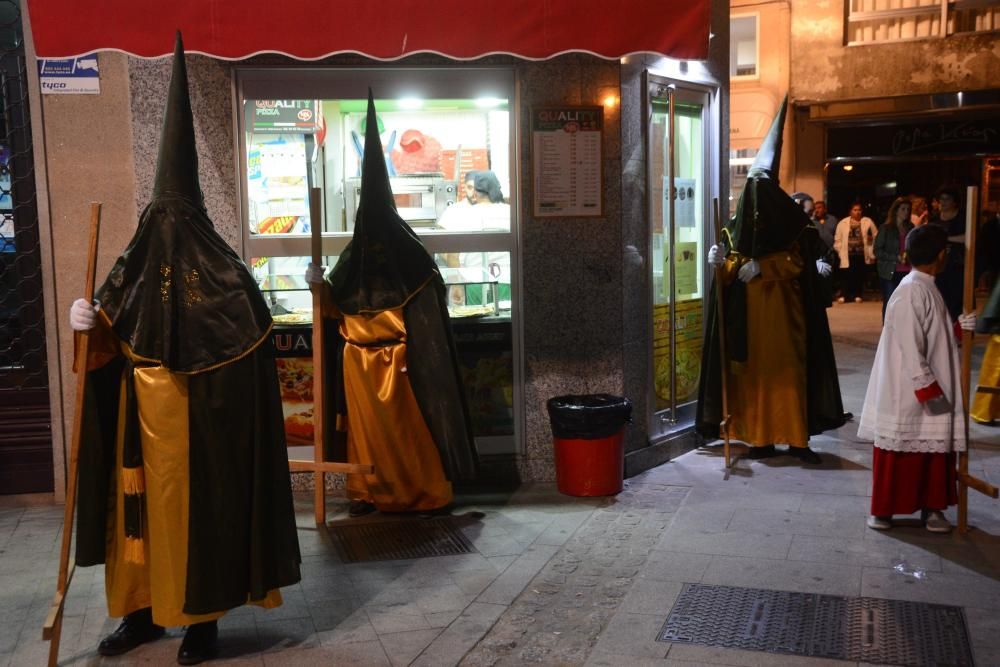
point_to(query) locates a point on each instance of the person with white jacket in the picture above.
(854, 243)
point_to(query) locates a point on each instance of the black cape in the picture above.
(180, 297)
(768, 220)
(989, 321)
(385, 266)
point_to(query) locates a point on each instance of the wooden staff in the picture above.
(52, 629)
(965, 480)
(319, 367)
(318, 466)
(720, 312)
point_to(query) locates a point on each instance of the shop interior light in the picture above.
(611, 101)
(848, 167)
(411, 103)
(488, 102)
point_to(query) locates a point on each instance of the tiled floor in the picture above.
(557, 580)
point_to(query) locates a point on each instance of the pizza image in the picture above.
(297, 316)
(295, 378)
(299, 427)
(470, 311)
(688, 372)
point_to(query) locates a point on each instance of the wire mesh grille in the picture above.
(398, 540)
(869, 630)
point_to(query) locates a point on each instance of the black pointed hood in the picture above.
(385, 263)
(179, 295)
(768, 160)
(767, 219)
(177, 163)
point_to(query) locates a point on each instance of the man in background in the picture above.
(824, 222)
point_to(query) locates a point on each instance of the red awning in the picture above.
(381, 29)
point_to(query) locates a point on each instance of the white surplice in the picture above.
(917, 348)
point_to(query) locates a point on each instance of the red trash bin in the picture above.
(590, 467)
(588, 441)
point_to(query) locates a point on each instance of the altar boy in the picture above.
(913, 408)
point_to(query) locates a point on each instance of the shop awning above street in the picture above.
(380, 29)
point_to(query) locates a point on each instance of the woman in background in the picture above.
(854, 243)
(890, 253)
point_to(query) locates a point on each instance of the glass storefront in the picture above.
(678, 231)
(447, 143)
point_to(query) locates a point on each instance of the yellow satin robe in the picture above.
(986, 407)
(767, 392)
(160, 582)
(384, 424)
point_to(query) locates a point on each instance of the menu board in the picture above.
(566, 160)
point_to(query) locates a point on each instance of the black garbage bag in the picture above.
(588, 417)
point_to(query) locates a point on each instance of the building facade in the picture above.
(587, 311)
(890, 99)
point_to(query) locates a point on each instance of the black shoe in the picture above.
(436, 512)
(199, 643)
(765, 452)
(360, 508)
(136, 628)
(848, 416)
(805, 455)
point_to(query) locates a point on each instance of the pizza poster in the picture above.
(688, 341)
(567, 161)
(293, 360)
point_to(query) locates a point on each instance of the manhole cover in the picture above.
(398, 540)
(873, 630)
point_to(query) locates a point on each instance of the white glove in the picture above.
(715, 256)
(749, 271)
(823, 268)
(82, 315)
(967, 321)
(314, 274)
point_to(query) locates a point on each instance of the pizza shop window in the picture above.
(446, 141)
(305, 128)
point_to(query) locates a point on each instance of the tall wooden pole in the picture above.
(319, 404)
(52, 630)
(971, 199)
(720, 312)
(965, 480)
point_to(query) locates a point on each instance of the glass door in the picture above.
(679, 154)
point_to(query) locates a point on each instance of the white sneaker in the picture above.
(936, 523)
(840, 299)
(879, 522)
(858, 299)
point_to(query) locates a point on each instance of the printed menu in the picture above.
(566, 154)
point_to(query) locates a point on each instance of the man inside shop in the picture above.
(484, 209)
(487, 209)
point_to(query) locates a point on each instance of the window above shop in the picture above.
(744, 53)
(904, 20)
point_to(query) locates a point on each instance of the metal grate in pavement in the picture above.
(895, 632)
(398, 540)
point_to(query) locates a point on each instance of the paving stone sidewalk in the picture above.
(556, 580)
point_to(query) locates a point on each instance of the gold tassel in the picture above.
(135, 551)
(133, 481)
